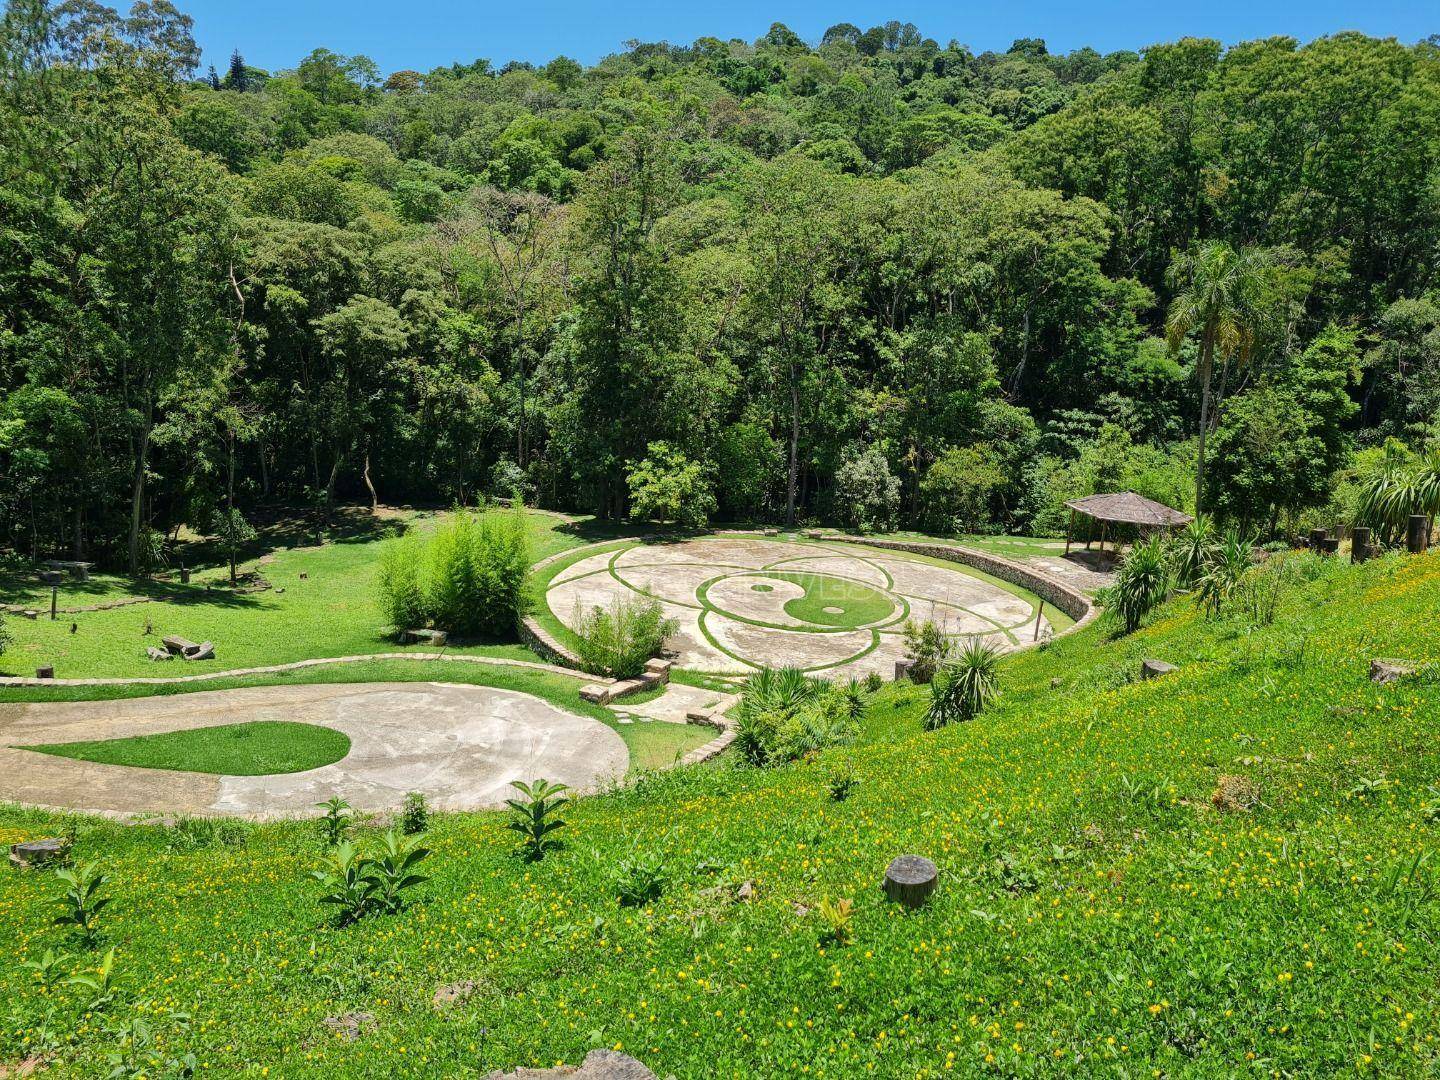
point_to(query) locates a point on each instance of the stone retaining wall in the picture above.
(1053, 591)
(716, 719)
(546, 644)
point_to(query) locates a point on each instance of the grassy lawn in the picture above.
(1098, 914)
(261, 748)
(1011, 547)
(323, 604)
(832, 601)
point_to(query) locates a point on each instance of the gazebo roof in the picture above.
(1128, 508)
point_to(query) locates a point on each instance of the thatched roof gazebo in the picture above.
(1123, 508)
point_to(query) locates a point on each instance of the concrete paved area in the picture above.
(674, 705)
(460, 745)
(733, 619)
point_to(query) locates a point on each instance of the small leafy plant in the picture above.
(839, 920)
(358, 885)
(641, 881)
(843, 783)
(47, 969)
(81, 902)
(926, 647)
(415, 815)
(533, 815)
(392, 871)
(348, 888)
(100, 983)
(337, 820)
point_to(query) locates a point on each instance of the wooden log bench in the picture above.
(188, 650)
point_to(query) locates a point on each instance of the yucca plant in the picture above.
(533, 815)
(1192, 548)
(1142, 582)
(785, 714)
(1232, 561)
(964, 686)
(1397, 491)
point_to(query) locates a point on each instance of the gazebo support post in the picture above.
(1069, 532)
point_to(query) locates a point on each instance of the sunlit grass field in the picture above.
(1097, 914)
(322, 604)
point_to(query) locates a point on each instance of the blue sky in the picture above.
(422, 34)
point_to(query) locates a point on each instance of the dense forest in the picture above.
(874, 280)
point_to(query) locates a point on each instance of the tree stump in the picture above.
(1359, 544)
(1330, 545)
(46, 672)
(910, 879)
(1316, 536)
(1153, 669)
(34, 853)
(1387, 671)
(1417, 534)
(902, 669)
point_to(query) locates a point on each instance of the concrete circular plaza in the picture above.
(744, 603)
(460, 745)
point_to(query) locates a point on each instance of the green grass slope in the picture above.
(1097, 914)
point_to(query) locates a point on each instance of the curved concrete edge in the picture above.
(298, 665)
(1053, 591)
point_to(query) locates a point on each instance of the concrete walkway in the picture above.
(460, 745)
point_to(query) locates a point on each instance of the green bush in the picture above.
(964, 686)
(401, 597)
(866, 495)
(785, 715)
(1142, 583)
(926, 647)
(467, 577)
(617, 641)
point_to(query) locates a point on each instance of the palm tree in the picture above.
(1219, 296)
(1403, 486)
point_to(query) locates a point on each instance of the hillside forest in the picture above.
(874, 280)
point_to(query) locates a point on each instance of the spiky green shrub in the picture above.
(1233, 558)
(1142, 583)
(1192, 548)
(964, 686)
(785, 715)
(617, 640)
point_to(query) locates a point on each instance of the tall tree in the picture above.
(1218, 298)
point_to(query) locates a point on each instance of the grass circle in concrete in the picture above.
(834, 601)
(256, 748)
